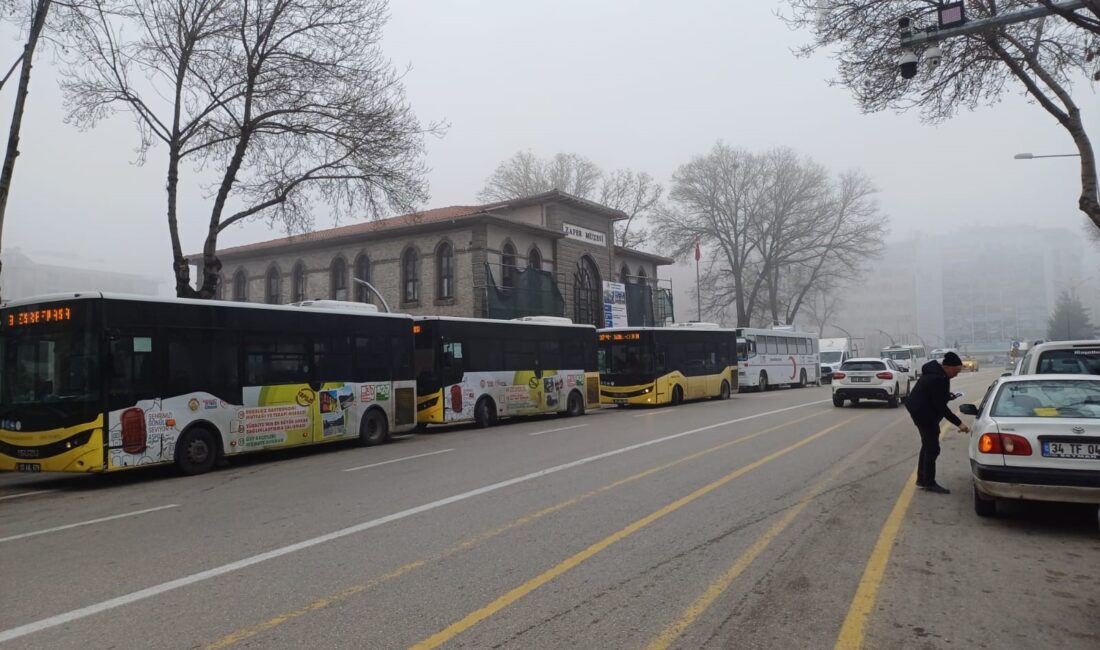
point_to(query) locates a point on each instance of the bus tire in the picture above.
(724, 392)
(574, 405)
(373, 428)
(485, 413)
(677, 395)
(197, 451)
(762, 385)
(801, 379)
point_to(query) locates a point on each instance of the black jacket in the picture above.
(928, 401)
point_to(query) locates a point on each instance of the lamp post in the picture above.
(887, 335)
(1031, 156)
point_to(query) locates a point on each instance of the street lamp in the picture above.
(892, 342)
(1030, 156)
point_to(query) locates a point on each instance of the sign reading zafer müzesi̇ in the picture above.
(594, 237)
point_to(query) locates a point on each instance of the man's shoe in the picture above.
(937, 488)
(919, 484)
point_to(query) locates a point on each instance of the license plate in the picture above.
(1082, 450)
(28, 467)
(620, 401)
(861, 380)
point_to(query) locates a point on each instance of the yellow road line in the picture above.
(719, 586)
(526, 588)
(852, 631)
(327, 601)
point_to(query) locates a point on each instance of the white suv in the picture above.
(868, 378)
(1061, 357)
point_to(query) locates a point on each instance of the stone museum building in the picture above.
(549, 254)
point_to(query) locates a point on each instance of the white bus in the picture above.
(909, 357)
(768, 358)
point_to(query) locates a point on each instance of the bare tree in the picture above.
(36, 19)
(638, 196)
(1041, 58)
(279, 105)
(634, 193)
(777, 228)
(822, 303)
(525, 174)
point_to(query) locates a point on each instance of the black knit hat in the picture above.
(951, 359)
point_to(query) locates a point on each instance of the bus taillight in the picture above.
(133, 431)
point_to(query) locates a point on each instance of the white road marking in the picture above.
(86, 523)
(398, 460)
(654, 412)
(172, 585)
(25, 494)
(575, 426)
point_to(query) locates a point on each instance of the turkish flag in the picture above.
(697, 253)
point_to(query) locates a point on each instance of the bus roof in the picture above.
(94, 295)
(502, 321)
(667, 329)
(758, 331)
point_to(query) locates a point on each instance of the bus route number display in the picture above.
(39, 316)
(621, 336)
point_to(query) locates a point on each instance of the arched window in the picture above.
(362, 272)
(444, 272)
(642, 278)
(240, 286)
(410, 276)
(534, 259)
(508, 265)
(219, 291)
(339, 279)
(587, 293)
(272, 288)
(624, 274)
(298, 283)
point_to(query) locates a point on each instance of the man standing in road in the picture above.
(927, 405)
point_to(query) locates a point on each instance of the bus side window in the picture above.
(132, 375)
(550, 357)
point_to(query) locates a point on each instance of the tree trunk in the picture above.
(37, 24)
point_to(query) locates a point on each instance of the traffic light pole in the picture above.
(936, 34)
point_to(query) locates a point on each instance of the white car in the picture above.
(1036, 437)
(869, 378)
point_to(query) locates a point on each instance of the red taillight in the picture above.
(839, 375)
(133, 431)
(1004, 443)
(885, 375)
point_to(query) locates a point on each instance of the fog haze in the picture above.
(643, 85)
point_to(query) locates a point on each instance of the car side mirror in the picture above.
(968, 409)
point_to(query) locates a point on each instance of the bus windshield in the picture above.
(627, 357)
(831, 357)
(48, 369)
(897, 355)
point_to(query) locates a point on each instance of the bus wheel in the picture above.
(677, 396)
(763, 385)
(575, 405)
(802, 379)
(485, 413)
(196, 451)
(724, 393)
(373, 428)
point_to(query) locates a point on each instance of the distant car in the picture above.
(1063, 357)
(970, 364)
(1036, 437)
(869, 378)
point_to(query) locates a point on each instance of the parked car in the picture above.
(1066, 357)
(869, 378)
(970, 364)
(1036, 437)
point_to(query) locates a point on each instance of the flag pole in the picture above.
(698, 286)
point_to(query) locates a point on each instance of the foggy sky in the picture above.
(645, 85)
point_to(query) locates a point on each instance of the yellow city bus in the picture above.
(479, 370)
(93, 382)
(666, 365)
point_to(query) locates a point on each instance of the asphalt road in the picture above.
(766, 521)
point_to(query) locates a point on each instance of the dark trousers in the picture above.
(929, 451)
